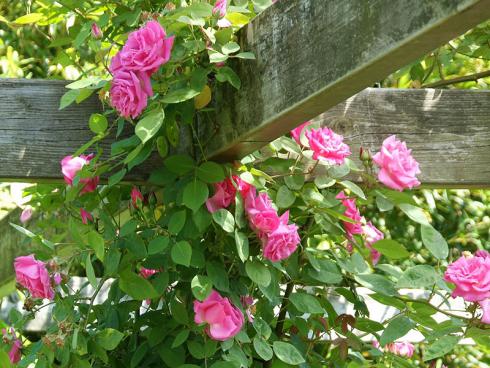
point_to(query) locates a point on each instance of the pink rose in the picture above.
(96, 31)
(70, 166)
(136, 196)
(371, 236)
(471, 276)
(15, 351)
(57, 278)
(146, 49)
(282, 242)
(485, 306)
(262, 217)
(220, 7)
(33, 275)
(403, 349)
(296, 132)
(398, 169)
(225, 191)
(26, 215)
(482, 254)
(147, 272)
(129, 92)
(86, 216)
(327, 145)
(352, 212)
(223, 318)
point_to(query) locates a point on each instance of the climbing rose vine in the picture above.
(270, 261)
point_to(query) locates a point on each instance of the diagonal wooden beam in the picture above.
(313, 54)
(449, 130)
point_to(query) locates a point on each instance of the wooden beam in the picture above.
(313, 54)
(449, 130)
(35, 135)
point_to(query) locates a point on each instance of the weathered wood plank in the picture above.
(313, 54)
(35, 135)
(449, 130)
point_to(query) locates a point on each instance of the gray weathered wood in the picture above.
(449, 130)
(35, 135)
(313, 54)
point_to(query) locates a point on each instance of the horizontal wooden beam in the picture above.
(449, 130)
(313, 54)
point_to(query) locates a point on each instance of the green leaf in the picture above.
(181, 253)
(177, 221)
(324, 181)
(434, 242)
(180, 338)
(414, 213)
(245, 55)
(397, 328)
(242, 247)
(226, 74)
(82, 35)
(441, 347)
(179, 164)
(262, 348)
(258, 273)
(391, 249)
(109, 338)
(98, 123)
(195, 194)
(224, 219)
(328, 273)
(158, 245)
(97, 243)
(218, 275)
(68, 98)
(147, 127)
(29, 18)
(230, 48)
(354, 188)
(4, 359)
(306, 303)
(420, 276)
(377, 283)
(201, 287)
(7, 287)
(162, 146)
(89, 271)
(210, 172)
(117, 177)
(287, 353)
(285, 198)
(180, 95)
(217, 57)
(136, 286)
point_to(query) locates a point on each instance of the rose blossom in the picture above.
(220, 7)
(262, 217)
(129, 92)
(352, 212)
(398, 168)
(15, 351)
(404, 349)
(471, 276)
(33, 275)
(282, 242)
(57, 278)
(70, 166)
(26, 214)
(146, 49)
(296, 132)
(96, 31)
(482, 254)
(328, 145)
(86, 216)
(225, 191)
(371, 236)
(223, 318)
(147, 272)
(135, 196)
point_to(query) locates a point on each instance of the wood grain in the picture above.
(449, 130)
(313, 54)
